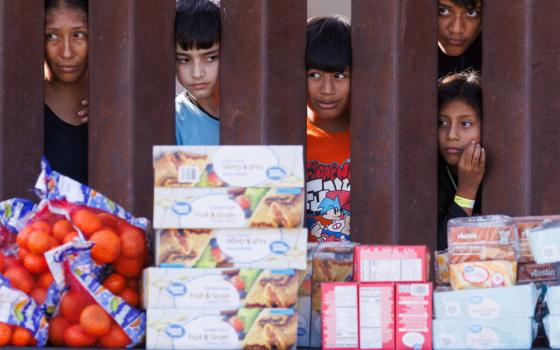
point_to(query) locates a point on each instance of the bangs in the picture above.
(329, 45)
(469, 4)
(197, 24)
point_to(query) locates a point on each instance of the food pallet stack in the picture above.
(229, 244)
(388, 306)
(485, 308)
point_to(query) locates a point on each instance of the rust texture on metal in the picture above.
(521, 107)
(394, 144)
(21, 96)
(262, 72)
(132, 90)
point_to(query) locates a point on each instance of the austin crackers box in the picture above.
(339, 315)
(391, 263)
(413, 308)
(377, 315)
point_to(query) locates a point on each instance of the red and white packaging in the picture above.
(413, 309)
(391, 263)
(339, 315)
(377, 315)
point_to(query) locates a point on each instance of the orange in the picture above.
(129, 267)
(35, 263)
(87, 221)
(107, 246)
(95, 321)
(38, 242)
(42, 225)
(22, 252)
(61, 228)
(39, 294)
(21, 238)
(130, 296)
(133, 243)
(116, 338)
(115, 283)
(70, 237)
(2, 262)
(72, 304)
(11, 261)
(75, 336)
(133, 283)
(45, 280)
(109, 220)
(57, 326)
(21, 336)
(53, 243)
(20, 279)
(5, 334)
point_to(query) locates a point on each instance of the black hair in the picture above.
(329, 46)
(197, 23)
(468, 4)
(463, 86)
(72, 4)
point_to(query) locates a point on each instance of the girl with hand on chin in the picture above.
(66, 87)
(462, 159)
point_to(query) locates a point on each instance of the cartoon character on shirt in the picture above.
(333, 222)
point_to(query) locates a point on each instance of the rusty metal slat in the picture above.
(21, 96)
(394, 144)
(262, 72)
(506, 99)
(131, 96)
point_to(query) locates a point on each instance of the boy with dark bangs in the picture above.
(459, 38)
(197, 36)
(328, 62)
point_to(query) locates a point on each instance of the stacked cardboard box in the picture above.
(388, 306)
(552, 321)
(229, 234)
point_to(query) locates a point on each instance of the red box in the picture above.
(339, 315)
(391, 263)
(413, 308)
(376, 304)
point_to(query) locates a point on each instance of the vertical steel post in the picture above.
(21, 96)
(394, 111)
(262, 72)
(131, 96)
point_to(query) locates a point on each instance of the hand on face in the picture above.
(470, 170)
(83, 113)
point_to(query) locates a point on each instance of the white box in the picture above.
(552, 299)
(552, 329)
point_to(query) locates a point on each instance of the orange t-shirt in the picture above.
(327, 170)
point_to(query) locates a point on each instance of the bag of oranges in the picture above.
(89, 314)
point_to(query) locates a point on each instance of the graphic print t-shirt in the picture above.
(328, 184)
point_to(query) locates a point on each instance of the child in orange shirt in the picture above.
(328, 61)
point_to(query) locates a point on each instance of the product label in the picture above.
(377, 321)
(340, 315)
(475, 274)
(481, 338)
(483, 308)
(414, 315)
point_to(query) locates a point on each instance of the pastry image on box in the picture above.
(239, 207)
(266, 249)
(481, 238)
(210, 329)
(391, 263)
(332, 262)
(483, 274)
(223, 289)
(228, 166)
(487, 303)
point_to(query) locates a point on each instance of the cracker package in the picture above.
(339, 317)
(482, 238)
(441, 263)
(538, 273)
(483, 274)
(391, 263)
(228, 186)
(210, 329)
(222, 289)
(257, 248)
(524, 224)
(332, 262)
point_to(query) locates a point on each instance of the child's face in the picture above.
(66, 44)
(458, 27)
(328, 94)
(198, 70)
(458, 126)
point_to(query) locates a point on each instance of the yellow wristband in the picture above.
(464, 202)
